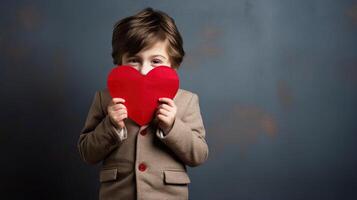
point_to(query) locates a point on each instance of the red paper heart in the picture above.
(142, 92)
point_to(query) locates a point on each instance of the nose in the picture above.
(145, 68)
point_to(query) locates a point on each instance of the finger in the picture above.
(114, 118)
(165, 106)
(121, 124)
(119, 106)
(167, 100)
(118, 100)
(120, 112)
(162, 117)
(122, 116)
(164, 112)
(116, 110)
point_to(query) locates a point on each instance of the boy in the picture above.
(145, 162)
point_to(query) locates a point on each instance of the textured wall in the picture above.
(277, 83)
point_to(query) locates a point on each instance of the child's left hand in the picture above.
(166, 114)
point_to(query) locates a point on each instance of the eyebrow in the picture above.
(158, 55)
(150, 56)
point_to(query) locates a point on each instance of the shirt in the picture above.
(123, 133)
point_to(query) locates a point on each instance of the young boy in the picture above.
(145, 162)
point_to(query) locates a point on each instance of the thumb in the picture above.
(121, 124)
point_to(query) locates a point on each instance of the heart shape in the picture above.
(142, 92)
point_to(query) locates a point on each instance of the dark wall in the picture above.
(277, 81)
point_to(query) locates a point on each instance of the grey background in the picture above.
(276, 79)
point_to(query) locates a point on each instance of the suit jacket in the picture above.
(144, 164)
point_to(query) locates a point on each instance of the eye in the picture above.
(157, 61)
(133, 60)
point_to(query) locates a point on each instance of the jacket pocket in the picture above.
(108, 175)
(176, 177)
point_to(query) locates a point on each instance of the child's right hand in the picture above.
(117, 112)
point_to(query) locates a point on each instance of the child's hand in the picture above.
(166, 114)
(117, 112)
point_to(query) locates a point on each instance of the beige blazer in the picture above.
(144, 164)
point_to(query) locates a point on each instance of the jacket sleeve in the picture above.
(187, 135)
(99, 136)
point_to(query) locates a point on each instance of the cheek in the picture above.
(133, 66)
(167, 64)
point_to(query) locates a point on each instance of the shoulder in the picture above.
(104, 92)
(103, 97)
(185, 95)
(185, 98)
(186, 92)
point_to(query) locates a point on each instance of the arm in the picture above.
(99, 136)
(187, 135)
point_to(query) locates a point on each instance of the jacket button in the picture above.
(143, 132)
(142, 167)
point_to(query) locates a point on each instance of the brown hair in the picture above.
(140, 31)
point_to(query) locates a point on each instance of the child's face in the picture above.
(147, 59)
